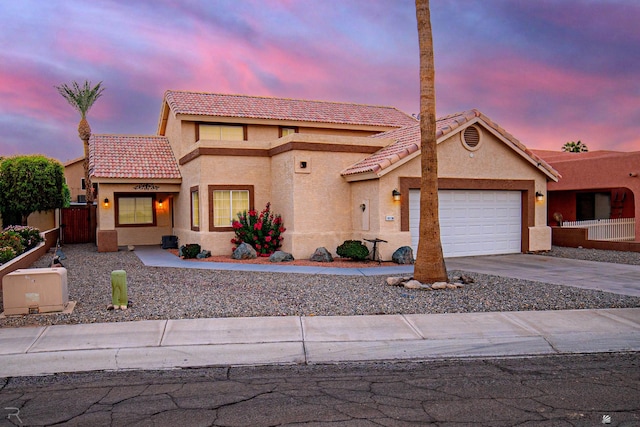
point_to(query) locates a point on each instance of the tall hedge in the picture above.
(31, 183)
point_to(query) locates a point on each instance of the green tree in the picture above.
(29, 184)
(575, 147)
(429, 266)
(82, 99)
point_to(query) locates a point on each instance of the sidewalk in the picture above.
(166, 344)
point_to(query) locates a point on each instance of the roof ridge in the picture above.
(286, 99)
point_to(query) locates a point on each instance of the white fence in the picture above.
(611, 230)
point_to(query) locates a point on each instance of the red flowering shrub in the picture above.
(260, 231)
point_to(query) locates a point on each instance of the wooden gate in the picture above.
(78, 224)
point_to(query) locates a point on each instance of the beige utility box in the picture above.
(35, 290)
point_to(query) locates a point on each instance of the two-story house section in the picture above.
(333, 171)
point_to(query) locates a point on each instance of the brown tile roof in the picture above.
(407, 141)
(132, 156)
(257, 107)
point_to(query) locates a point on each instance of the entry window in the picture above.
(221, 132)
(135, 210)
(227, 204)
(195, 209)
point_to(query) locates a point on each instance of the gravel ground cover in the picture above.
(178, 293)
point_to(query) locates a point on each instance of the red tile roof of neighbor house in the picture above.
(564, 156)
(407, 142)
(258, 107)
(132, 156)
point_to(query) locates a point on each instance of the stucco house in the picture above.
(334, 171)
(595, 185)
(74, 177)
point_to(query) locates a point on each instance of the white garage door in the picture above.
(473, 222)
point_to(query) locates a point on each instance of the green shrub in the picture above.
(6, 254)
(353, 249)
(190, 251)
(13, 240)
(30, 236)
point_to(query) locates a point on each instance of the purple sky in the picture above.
(547, 71)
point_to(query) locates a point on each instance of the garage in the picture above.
(473, 222)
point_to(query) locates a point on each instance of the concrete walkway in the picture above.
(164, 344)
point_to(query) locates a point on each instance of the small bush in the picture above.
(190, 251)
(353, 249)
(12, 240)
(30, 236)
(7, 254)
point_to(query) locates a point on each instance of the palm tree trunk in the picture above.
(429, 266)
(84, 132)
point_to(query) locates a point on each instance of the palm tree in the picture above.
(429, 266)
(82, 99)
(575, 147)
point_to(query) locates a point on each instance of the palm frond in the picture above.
(82, 97)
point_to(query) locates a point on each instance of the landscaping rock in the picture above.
(413, 284)
(397, 281)
(321, 255)
(244, 251)
(204, 254)
(281, 256)
(403, 255)
(439, 285)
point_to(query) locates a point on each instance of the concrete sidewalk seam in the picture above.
(36, 339)
(412, 326)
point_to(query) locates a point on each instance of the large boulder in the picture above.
(403, 255)
(321, 255)
(244, 251)
(280, 256)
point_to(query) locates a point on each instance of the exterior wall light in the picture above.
(396, 195)
(539, 196)
(160, 203)
(106, 202)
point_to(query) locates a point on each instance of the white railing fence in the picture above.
(611, 230)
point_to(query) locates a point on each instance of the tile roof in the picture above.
(132, 156)
(564, 156)
(257, 107)
(407, 142)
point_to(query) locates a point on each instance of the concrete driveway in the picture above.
(616, 278)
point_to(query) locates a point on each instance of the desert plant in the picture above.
(353, 249)
(7, 254)
(262, 232)
(190, 250)
(30, 236)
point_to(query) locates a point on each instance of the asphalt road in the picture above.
(571, 390)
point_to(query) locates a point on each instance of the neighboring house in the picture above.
(74, 176)
(330, 169)
(595, 185)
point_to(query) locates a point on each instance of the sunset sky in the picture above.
(547, 71)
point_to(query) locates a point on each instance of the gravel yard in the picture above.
(178, 293)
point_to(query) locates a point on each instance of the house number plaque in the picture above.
(146, 187)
